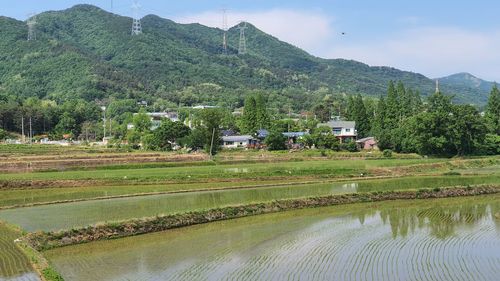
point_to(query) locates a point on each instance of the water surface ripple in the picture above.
(445, 239)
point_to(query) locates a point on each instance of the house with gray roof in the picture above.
(238, 141)
(343, 130)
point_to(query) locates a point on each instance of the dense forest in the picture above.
(87, 53)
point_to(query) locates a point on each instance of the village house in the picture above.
(368, 143)
(345, 131)
(238, 141)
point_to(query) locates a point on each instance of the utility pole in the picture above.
(242, 48)
(31, 22)
(437, 86)
(136, 23)
(22, 129)
(31, 133)
(224, 29)
(110, 132)
(212, 144)
(104, 124)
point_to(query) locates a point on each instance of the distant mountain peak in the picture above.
(88, 52)
(466, 80)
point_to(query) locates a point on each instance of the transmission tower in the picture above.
(224, 29)
(242, 49)
(31, 22)
(136, 24)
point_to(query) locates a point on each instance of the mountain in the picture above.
(467, 83)
(86, 52)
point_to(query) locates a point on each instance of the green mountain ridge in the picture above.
(86, 52)
(467, 83)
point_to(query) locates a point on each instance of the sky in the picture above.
(435, 38)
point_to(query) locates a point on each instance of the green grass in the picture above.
(325, 168)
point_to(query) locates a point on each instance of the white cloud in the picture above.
(433, 51)
(309, 30)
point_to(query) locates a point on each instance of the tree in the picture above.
(493, 111)
(469, 130)
(261, 114)
(211, 119)
(324, 138)
(142, 122)
(167, 134)
(275, 141)
(322, 112)
(392, 112)
(197, 139)
(433, 128)
(3, 134)
(66, 125)
(359, 114)
(380, 129)
(249, 118)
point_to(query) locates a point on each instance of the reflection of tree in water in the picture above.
(442, 221)
(401, 220)
(495, 212)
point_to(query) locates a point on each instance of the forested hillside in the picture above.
(85, 52)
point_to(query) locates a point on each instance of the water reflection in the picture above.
(442, 221)
(402, 240)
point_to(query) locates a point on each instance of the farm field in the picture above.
(82, 195)
(26, 197)
(78, 214)
(14, 265)
(324, 168)
(403, 240)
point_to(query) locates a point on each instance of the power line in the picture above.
(224, 29)
(242, 48)
(136, 22)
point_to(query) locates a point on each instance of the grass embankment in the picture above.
(48, 240)
(33, 197)
(20, 164)
(79, 214)
(326, 169)
(26, 158)
(8, 150)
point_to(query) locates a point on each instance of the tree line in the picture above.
(401, 121)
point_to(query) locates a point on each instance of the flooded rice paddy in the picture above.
(444, 239)
(14, 266)
(78, 214)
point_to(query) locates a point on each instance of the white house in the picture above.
(344, 130)
(238, 141)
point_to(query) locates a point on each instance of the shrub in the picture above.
(51, 275)
(451, 173)
(387, 153)
(275, 141)
(350, 146)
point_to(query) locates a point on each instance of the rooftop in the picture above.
(237, 138)
(339, 124)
